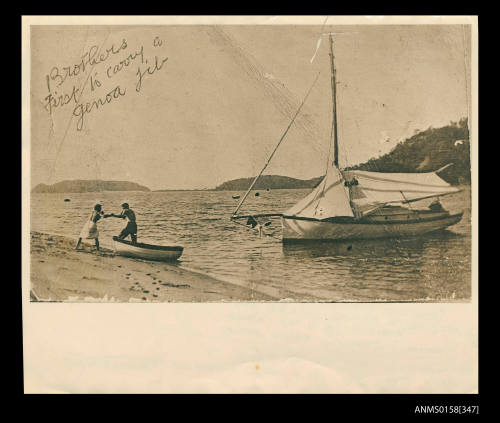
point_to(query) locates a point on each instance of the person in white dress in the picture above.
(89, 230)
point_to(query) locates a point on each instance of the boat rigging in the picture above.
(356, 204)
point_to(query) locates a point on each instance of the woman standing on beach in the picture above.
(89, 230)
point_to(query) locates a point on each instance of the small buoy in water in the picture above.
(67, 199)
(257, 194)
(236, 197)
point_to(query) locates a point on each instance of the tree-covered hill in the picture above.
(268, 182)
(427, 151)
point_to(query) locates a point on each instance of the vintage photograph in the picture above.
(250, 163)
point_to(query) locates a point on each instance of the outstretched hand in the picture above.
(114, 215)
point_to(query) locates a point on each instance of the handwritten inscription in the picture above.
(55, 100)
(150, 70)
(129, 60)
(58, 75)
(82, 109)
(96, 69)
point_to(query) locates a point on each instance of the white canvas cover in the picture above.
(381, 188)
(330, 198)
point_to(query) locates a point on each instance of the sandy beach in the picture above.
(60, 273)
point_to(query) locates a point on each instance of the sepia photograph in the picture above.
(250, 204)
(250, 163)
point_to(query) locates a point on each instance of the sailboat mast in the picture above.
(334, 102)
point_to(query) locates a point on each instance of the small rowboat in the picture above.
(147, 251)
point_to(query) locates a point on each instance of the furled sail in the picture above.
(368, 189)
(339, 193)
(330, 198)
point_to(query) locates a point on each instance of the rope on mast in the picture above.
(275, 148)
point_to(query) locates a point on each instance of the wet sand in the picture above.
(59, 273)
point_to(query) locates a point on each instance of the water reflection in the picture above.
(385, 247)
(432, 266)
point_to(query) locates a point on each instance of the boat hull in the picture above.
(296, 229)
(147, 251)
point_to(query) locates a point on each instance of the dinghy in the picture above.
(147, 251)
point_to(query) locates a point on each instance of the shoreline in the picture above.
(60, 273)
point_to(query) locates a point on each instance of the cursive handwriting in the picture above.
(97, 66)
(91, 57)
(113, 70)
(82, 109)
(54, 101)
(141, 74)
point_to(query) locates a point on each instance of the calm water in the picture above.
(432, 267)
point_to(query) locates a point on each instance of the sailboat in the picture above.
(356, 204)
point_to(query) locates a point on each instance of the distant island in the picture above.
(425, 151)
(183, 190)
(88, 186)
(269, 182)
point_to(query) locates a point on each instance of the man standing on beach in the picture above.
(131, 228)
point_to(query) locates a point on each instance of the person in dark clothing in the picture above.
(131, 228)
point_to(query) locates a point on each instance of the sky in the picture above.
(220, 97)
